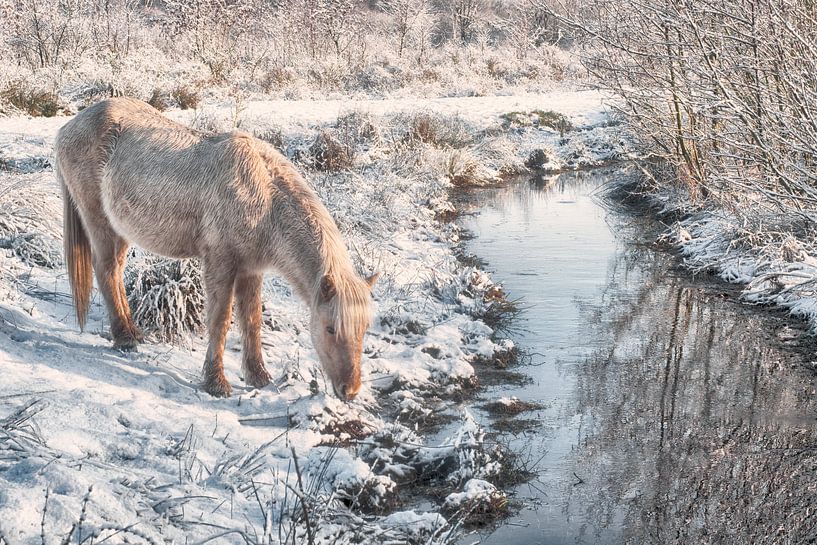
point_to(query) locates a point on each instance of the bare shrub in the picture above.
(47, 33)
(166, 296)
(723, 92)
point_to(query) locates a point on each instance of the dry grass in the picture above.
(34, 102)
(511, 407)
(274, 137)
(537, 159)
(439, 131)
(160, 100)
(186, 97)
(356, 127)
(500, 359)
(346, 432)
(483, 510)
(330, 154)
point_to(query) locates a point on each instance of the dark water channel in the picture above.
(672, 413)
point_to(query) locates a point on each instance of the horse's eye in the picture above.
(330, 330)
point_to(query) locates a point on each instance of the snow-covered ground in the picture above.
(126, 446)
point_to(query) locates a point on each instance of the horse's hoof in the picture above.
(258, 378)
(126, 345)
(127, 339)
(218, 387)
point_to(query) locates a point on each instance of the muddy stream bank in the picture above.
(668, 411)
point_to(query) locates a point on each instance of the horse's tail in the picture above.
(77, 254)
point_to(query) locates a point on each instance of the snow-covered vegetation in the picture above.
(97, 445)
(57, 54)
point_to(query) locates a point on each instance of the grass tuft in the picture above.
(186, 97)
(511, 407)
(330, 154)
(538, 118)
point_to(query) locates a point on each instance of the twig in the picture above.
(42, 522)
(83, 512)
(303, 498)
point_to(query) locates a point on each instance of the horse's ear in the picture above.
(372, 279)
(328, 290)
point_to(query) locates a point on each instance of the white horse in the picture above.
(130, 174)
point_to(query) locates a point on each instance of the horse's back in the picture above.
(163, 186)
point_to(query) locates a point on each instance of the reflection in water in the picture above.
(703, 423)
(674, 415)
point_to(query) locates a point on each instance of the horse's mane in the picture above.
(352, 305)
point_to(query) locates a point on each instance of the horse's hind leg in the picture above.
(110, 251)
(248, 304)
(218, 283)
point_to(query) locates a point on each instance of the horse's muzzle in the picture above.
(344, 393)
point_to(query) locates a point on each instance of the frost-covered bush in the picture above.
(288, 49)
(33, 249)
(29, 221)
(166, 296)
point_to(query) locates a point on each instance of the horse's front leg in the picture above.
(218, 282)
(248, 304)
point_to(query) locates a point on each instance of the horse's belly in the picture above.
(153, 224)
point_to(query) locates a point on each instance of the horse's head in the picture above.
(340, 318)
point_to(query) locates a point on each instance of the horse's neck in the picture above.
(311, 246)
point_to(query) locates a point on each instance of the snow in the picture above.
(129, 440)
(475, 490)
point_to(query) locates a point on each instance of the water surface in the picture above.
(672, 413)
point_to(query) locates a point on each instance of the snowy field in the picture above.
(103, 446)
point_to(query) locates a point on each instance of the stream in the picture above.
(670, 412)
